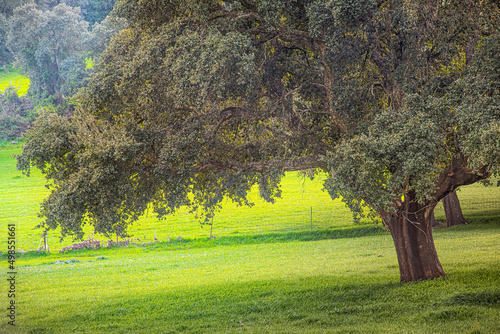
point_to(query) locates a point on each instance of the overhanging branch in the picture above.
(458, 174)
(311, 162)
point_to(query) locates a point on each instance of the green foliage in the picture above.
(398, 147)
(75, 72)
(478, 115)
(7, 6)
(11, 78)
(102, 33)
(16, 114)
(93, 11)
(425, 117)
(5, 55)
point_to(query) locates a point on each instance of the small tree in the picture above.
(42, 40)
(5, 55)
(16, 114)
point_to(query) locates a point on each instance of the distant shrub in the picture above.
(67, 261)
(16, 114)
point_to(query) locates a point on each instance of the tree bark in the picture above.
(411, 230)
(452, 210)
(434, 222)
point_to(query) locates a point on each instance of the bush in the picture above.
(16, 114)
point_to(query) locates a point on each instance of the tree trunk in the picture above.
(434, 222)
(452, 210)
(411, 230)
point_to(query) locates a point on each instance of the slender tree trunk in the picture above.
(452, 210)
(411, 230)
(434, 222)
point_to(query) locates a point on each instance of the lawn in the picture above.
(347, 285)
(267, 271)
(10, 77)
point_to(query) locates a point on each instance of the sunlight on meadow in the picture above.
(12, 78)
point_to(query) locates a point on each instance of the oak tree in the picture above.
(196, 101)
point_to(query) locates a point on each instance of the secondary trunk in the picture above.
(411, 230)
(452, 210)
(434, 222)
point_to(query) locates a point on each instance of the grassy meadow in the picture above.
(20, 197)
(10, 77)
(270, 269)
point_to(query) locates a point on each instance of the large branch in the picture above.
(458, 174)
(235, 112)
(310, 162)
(287, 34)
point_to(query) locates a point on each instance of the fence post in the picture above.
(311, 218)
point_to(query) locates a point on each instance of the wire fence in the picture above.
(309, 211)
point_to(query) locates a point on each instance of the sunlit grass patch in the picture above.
(304, 207)
(89, 63)
(11, 78)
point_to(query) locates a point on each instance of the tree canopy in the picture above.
(196, 101)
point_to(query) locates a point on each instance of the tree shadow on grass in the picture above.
(314, 304)
(354, 232)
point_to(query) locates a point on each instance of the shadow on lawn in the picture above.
(354, 232)
(346, 304)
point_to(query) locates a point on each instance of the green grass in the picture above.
(12, 78)
(277, 277)
(89, 63)
(20, 197)
(322, 286)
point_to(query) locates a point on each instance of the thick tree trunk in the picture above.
(452, 210)
(411, 230)
(411, 226)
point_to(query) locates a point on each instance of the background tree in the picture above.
(93, 11)
(452, 210)
(6, 10)
(101, 35)
(16, 114)
(7, 6)
(199, 100)
(42, 40)
(5, 55)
